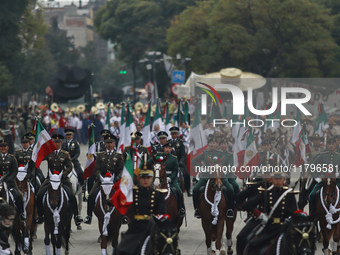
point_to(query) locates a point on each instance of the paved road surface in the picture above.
(84, 241)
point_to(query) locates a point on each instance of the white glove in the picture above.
(168, 179)
(263, 218)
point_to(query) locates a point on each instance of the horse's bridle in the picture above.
(304, 238)
(160, 179)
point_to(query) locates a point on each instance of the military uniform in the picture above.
(100, 146)
(156, 148)
(73, 148)
(203, 181)
(140, 148)
(315, 150)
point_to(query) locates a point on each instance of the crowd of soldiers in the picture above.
(148, 201)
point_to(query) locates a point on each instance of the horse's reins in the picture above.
(107, 215)
(56, 212)
(332, 209)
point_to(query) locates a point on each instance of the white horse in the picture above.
(77, 190)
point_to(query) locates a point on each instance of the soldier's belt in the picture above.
(276, 220)
(142, 217)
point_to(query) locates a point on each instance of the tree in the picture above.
(277, 38)
(5, 81)
(88, 58)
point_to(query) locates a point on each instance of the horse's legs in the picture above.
(26, 240)
(219, 235)
(54, 243)
(103, 244)
(47, 241)
(229, 231)
(207, 231)
(326, 237)
(336, 238)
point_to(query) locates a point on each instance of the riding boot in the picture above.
(79, 171)
(186, 177)
(20, 204)
(90, 205)
(40, 206)
(180, 204)
(73, 202)
(195, 199)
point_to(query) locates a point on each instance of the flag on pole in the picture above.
(146, 129)
(122, 198)
(198, 141)
(13, 132)
(297, 128)
(121, 142)
(251, 156)
(322, 120)
(158, 120)
(129, 127)
(34, 127)
(90, 161)
(167, 120)
(43, 145)
(237, 132)
(302, 147)
(107, 124)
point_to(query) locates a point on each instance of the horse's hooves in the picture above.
(99, 240)
(66, 252)
(230, 252)
(35, 237)
(79, 227)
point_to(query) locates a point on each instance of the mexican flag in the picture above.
(167, 120)
(251, 156)
(120, 147)
(107, 124)
(275, 115)
(297, 128)
(146, 130)
(157, 119)
(90, 161)
(129, 127)
(198, 141)
(122, 198)
(322, 120)
(238, 131)
(302, 147)
(43, 145)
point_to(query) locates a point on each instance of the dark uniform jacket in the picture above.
(73, 149)
(24, 157)
(179, 149)
(100, 146)
(8, 169)
(322, 163)
(141, 149)
(105, 163)
(272, 160)
(59, 162)
(156, 148)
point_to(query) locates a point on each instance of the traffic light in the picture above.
(122, 70)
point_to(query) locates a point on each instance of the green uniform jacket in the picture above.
(60, 162)
(179, 149)
(204, 157)
(8, 168)
(105, 163)
(24, 157)
(272, 158)
(322, 161)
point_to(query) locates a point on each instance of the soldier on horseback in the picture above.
(158, 147)
(24, 155)
(100, 146)
(146, 201)
(107, 161)
(59, 160)
(211, 153)
(9, 170)
(171, 168)
(136, 138)
(179, 150)
(278, 202)
(73, 148)
(329, 158)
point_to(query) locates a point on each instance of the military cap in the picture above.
(217, 134)
(224, 140)
(30, 135)
(110, 138)
(105, 132)
(331, 140)
(278, 174)
(57, 138)
(162, 134)
(147, 170)
(168, 143)
(69, 131)
(21, 118)
(266, 141)
(174, 130)
(3, 142)
(25, 139)
(315, 136)
(212, 139)
(137, 135)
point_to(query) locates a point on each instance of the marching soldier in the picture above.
(277, 194)
(146, 202)
(212, 153)
(73, 148)
(8, 171)
(179, 150)
(317, 147)
(100, 146)
(136, 137)
(158, 147)
(328, 158)
(171, 168)
(107, 161)
(59, 160)
(333, 129)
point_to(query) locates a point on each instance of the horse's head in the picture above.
(216, 174)
(22, 178)
(107, 184)
(301, 234)
(165, 236)
(329, 190)
(54, 189)
(159, 172)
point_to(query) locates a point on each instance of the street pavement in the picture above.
(192, 239)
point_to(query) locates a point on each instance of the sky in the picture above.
(63, 2)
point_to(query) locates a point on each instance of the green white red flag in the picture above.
(122, 135)
(302, 147)
(107, 123)
(322, 120)
(146, 130)
(90, 161)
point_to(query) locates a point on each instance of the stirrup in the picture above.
(197, 214)
(88, 220)
(230, 213)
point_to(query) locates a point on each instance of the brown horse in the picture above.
(161, 184)
(329, 217)
(23, 231)
(57, 216)
(108, 217)
(213, 209)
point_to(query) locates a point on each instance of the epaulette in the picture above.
(219, 150)
(323, 152)
(260, 188)
(118, 152)
(135, 187)
(173, 155)
(251, 183)
(11, 155)
(285, 187)
(66, 152)
(18, 150)
(162, 190)
(128, 146)
(100, 152)
(295, 192)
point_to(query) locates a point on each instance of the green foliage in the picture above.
(274, 38)
(88, 58)
(5, 81)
